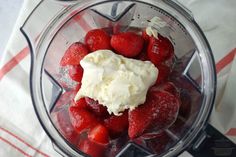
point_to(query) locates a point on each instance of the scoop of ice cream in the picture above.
(117, 82)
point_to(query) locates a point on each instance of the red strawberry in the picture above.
(81, 103)
(145, 36)
(77, 87)
(76, 73)
(163, 73)
(96, 108)
(97, 39)
(142, 56)
(99, 134)
(117, 124)
(91, 148)
(74, 54)
(159, 49)
(81, 119)
(168, 87)
(127, 44)
(158, 112)
(65, 127)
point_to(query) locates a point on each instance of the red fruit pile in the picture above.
(157, 113)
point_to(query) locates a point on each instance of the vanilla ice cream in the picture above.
(115, 81)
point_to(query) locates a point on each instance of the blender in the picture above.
(68, 21)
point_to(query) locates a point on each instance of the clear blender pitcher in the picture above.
(54, 25)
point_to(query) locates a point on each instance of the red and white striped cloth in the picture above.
(20, 131)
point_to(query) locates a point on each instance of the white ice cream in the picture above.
(152, 32)
(117, 82)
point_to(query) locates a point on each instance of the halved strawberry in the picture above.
(158, 112)
(99, 134)
(91, 148)
(96, 108)
(117, 124)
(163, 73)
(76, 73)
(74, 54)
(127, 44)
(142, 56)
(81, 119)
(97, 39)
(159, 49)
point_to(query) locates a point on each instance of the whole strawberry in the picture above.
(97, 39)
(127, 44)
(76, 73)
(157, 113)
(160, 49)
(74, 54)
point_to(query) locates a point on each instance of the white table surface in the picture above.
(9, 10)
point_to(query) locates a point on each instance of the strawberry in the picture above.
(97, 39)
(127, 44)
(142, 56)
(76, 73)
(77, 87)
(117, 124)
(163, 73)
(158, 112)
(74, 54)
(81, 103)
(96, 108)
(168, 87)
(81, 119)
(65, 127)
(145, 36)
(99, 134)
(91, 148)
(159, 49)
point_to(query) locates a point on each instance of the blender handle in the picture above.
(210, 142)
